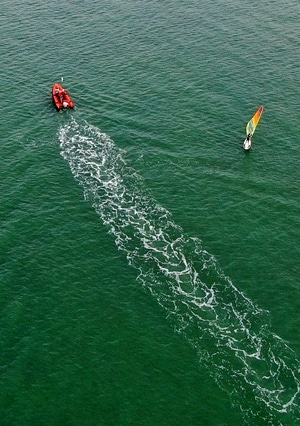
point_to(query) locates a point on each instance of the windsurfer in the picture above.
(248, 138)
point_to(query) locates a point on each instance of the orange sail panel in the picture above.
(251, 126)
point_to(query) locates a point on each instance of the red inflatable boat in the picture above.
(61, 97)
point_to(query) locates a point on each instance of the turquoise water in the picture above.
(149, 267)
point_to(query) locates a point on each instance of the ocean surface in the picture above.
(149, 267)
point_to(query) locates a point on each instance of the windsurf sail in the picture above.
(251, 126)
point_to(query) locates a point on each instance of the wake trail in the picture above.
(229, 332)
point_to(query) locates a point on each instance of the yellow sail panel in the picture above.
(251, 126)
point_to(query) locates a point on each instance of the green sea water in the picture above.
(149, 267)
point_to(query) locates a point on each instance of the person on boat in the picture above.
(57, 91)
(248, 137)
(62, 94)
(65, 104)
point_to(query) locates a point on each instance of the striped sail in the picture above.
(251, 126)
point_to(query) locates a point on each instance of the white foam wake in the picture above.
(228, 331)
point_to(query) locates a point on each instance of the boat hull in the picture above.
(61, 98)
(247, 144)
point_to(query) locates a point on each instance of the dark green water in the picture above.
(149, 267)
